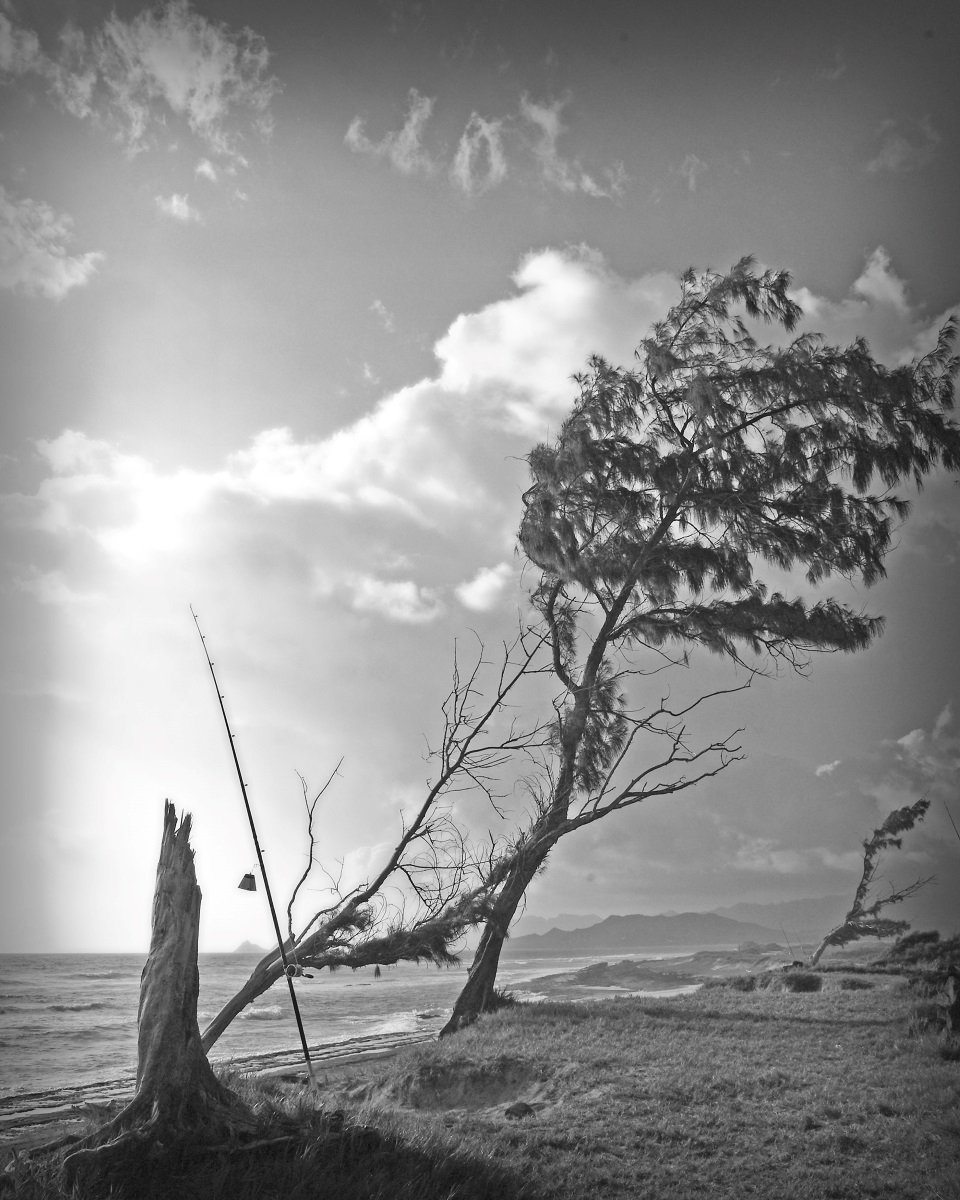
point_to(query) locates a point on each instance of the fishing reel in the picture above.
(294, 971)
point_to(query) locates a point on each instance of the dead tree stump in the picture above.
(180, 1107)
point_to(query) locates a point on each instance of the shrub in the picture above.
(855, 985)
(802, 981)
(501, 998)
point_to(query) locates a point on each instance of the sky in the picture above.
(288, 292)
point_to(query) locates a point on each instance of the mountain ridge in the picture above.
(640, 929)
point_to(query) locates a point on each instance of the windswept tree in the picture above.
(670, 492)
(864, 919)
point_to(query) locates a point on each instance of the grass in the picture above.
(839, 1093)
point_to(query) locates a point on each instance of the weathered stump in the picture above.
(180, 1107)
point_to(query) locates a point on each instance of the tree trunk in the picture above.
(179, 1103)
(477, 993)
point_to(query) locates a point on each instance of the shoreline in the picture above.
(31, 1119)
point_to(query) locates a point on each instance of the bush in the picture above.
(501, 998)
(855, 985)
(802, 981)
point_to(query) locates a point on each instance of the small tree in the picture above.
(863, 919)
(669, 490)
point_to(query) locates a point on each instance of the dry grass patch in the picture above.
(725, 1093)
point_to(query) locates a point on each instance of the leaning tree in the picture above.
(652, 520)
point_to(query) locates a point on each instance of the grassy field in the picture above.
(843, 1092)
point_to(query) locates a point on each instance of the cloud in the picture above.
(442, 456)
(178, 207)
(400, 600)
(402, 458)
(117, 501)
(764, 856)
(167, 59)
(480, 162)
(481, 145)
(902, 151)
(404, 148)
(827, 768)
(20, 51)
(691, 169)
(33, 250)
(52, 588)
(557, 171)
(879, 308)
(878, 283)
(520, 353)
(206, 168)
(387, 319)
(943, 722)
(483, 591)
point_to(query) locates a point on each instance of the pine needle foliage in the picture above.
(671, 485)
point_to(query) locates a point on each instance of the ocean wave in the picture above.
(271, 1013)
(99, 975)
(406, 1022)
(78, 1007)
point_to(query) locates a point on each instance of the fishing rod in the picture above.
(289, 970)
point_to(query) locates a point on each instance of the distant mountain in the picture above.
(800, 920)
(528, 925)
(638, 930)
(249, 948)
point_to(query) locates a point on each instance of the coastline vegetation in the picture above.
(846, 1090)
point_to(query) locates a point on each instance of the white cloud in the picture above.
(559, 172)
(404, 148)
(691, 169)
(440, 456)
(877, 308)
(880, 284)
(828, 768)
(33, 254)
(521, 352)
(902, 151)
(400, 600)
(483, 591)
(403, 457)
(479, 163)
(178, 207)
(387, 319)
(207, 170)
(119, 501)
(167, 59)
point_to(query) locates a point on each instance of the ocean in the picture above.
(70, 1020)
